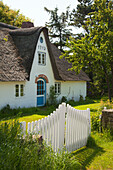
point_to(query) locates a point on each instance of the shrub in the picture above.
(81, 98)
(18, 153)
(5, 109)
(52, 96)
(95, 122)
(63, 99)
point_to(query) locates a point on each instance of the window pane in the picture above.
(40, 87)
(21, 90)
(59, 88)
(43, 59)
(17, 90)
(39, 58)
(55, 88)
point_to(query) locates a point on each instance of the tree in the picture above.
(80, 15)
(58, 27)
(12, 17)
(97, 45)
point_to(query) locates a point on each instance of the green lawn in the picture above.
(98, 155)
(26, 114)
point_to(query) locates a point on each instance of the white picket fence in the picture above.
(66, 126)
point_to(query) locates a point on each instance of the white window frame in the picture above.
(19, 92)
(57, 88)
(42, 56)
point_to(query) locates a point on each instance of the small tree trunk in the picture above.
(60, 39)
(108, 83)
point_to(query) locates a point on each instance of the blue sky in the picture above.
(34, 9)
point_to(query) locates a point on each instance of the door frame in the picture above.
(44, 95)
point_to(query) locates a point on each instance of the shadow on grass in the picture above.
(87, 154)
(93, 110)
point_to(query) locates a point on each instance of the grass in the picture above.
(25, 114)
(93, 107)
(97, 155)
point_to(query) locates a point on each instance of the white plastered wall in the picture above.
(72, 90)
(7, 95)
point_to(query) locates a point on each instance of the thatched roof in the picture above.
(17, 48)
(63, 67)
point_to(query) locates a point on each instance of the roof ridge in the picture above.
(25, 31)
(4, 25)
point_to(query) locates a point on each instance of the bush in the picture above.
(52, 97)
(5, 109)
(81, 98)
(95, 122)
(18, 153)
(63, 99)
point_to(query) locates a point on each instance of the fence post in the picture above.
(29, 128)
(32, 127)
(36, 127)
(23, 127)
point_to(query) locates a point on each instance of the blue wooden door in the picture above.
(41, 92)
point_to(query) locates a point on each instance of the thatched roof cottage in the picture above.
(30, 64)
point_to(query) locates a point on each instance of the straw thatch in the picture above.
(17, 48)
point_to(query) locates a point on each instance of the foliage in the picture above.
(64, 99)
(94, 51)
(52, 99)
(80, 102)
(58, 27)
(81, 98)
(80, 14)
(19, 153)
(95, 122)
(5, 109)
(10, 16)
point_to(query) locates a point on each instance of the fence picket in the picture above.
(29, 128)
(36, 127)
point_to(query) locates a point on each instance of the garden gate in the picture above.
(66, 126)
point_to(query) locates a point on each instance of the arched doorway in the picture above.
(41, 92)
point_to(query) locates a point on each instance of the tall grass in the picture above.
(18, 153)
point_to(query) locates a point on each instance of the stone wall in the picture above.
(107, 118)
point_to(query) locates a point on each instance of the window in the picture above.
(19, 90)
(41, 58)
(40, 87)
(41, 39)
(57, 88)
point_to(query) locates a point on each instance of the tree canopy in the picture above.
(10, 16)
(96, 47)
(58, 27)
(81, 13)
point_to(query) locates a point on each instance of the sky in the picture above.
(34, 9)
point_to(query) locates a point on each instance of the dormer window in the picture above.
(41, 58)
